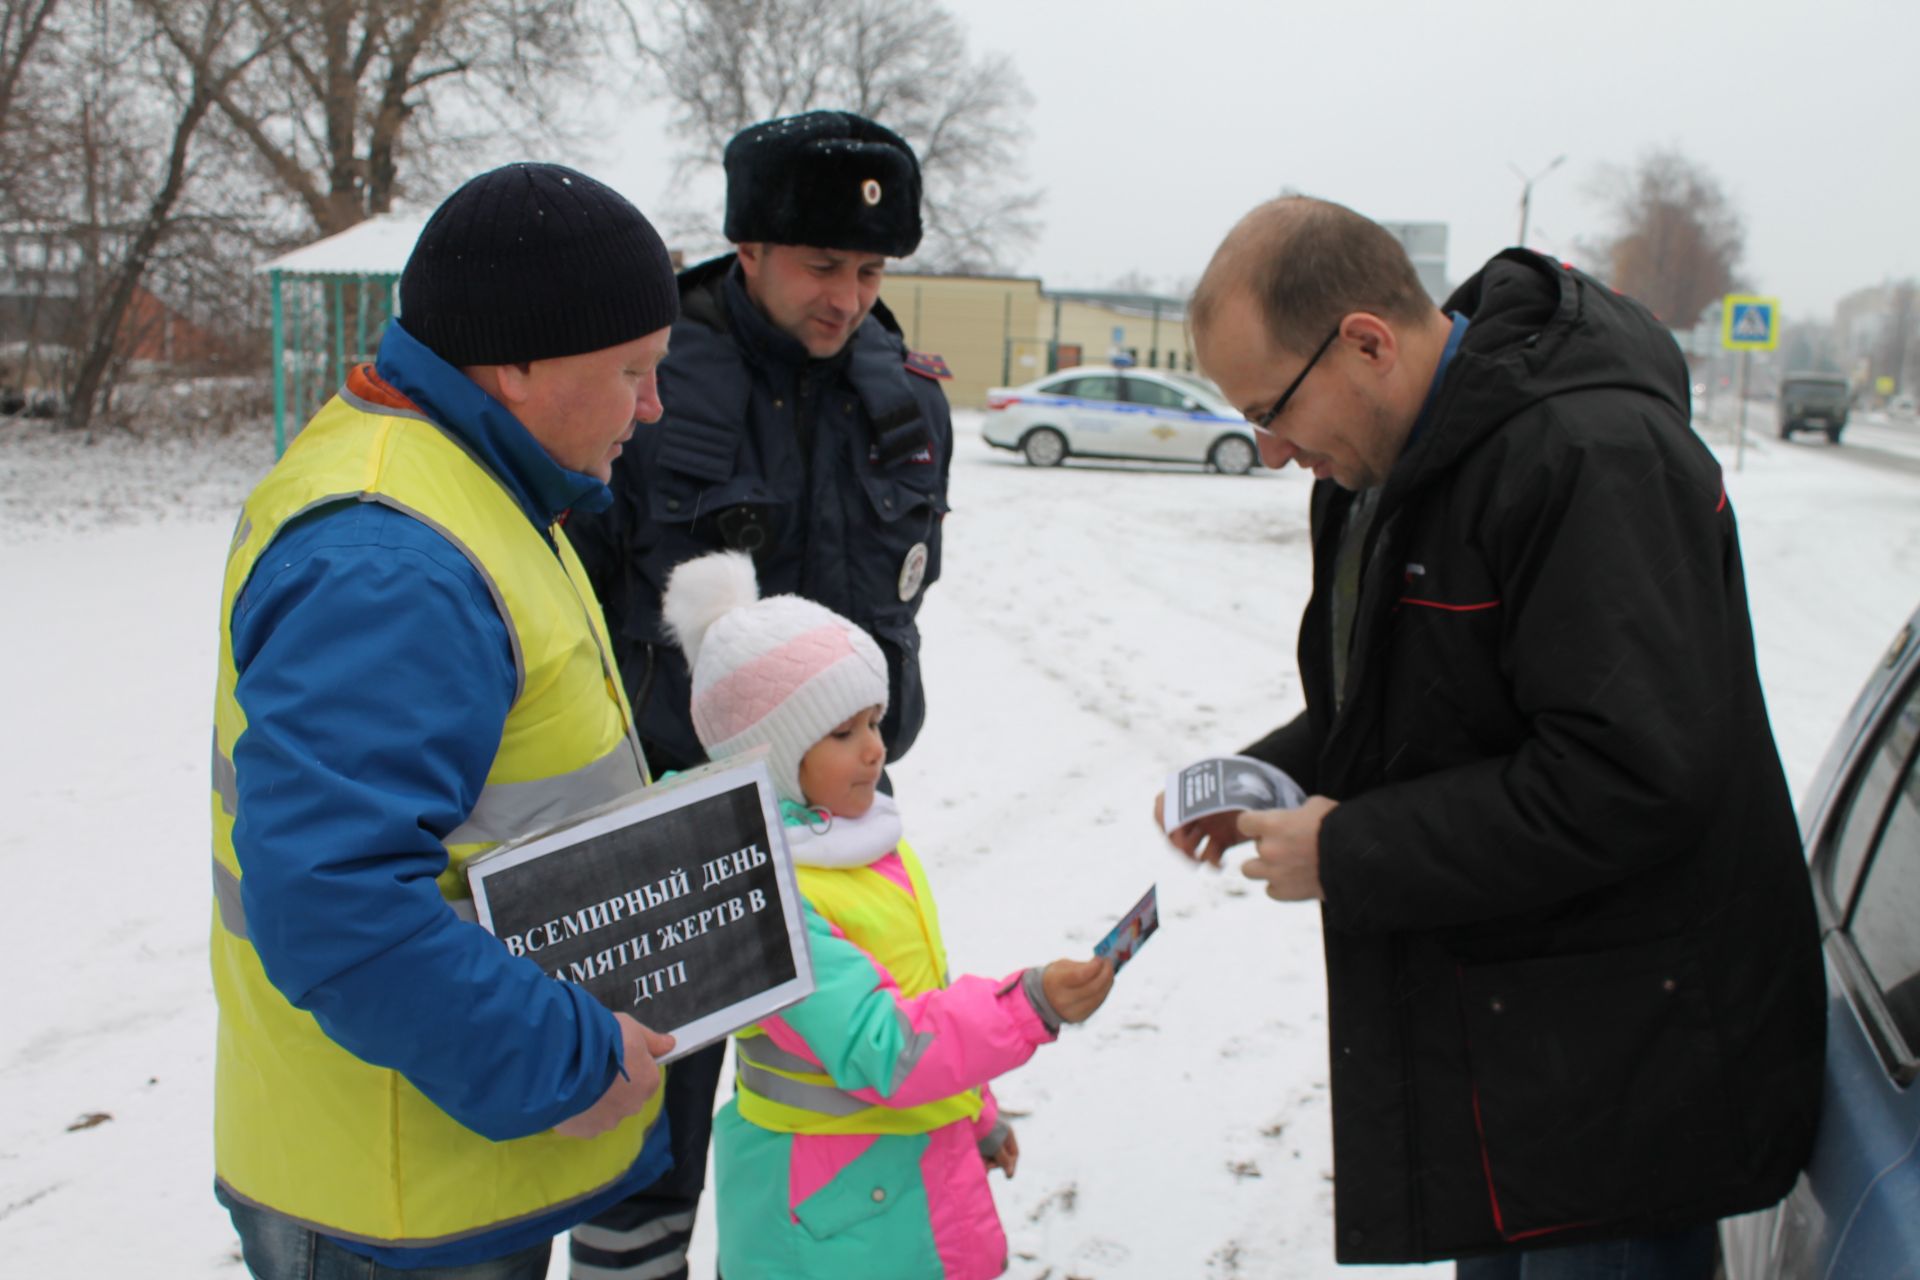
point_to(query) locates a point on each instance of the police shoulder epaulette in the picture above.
(928, 365)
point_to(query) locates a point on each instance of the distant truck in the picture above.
(1814, 402)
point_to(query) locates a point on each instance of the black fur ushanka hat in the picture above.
(830, 179)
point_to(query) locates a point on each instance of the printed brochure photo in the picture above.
(1225, 784)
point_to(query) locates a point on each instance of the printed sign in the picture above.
(679, 908)
(1749, 323)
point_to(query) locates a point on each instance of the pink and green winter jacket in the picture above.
(854, 1144)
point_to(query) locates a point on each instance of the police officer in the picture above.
(800, 429)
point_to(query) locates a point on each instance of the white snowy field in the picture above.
(1094, 627)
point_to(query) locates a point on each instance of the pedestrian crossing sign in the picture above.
(1748, 323)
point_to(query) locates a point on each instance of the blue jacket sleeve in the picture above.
(375, 673)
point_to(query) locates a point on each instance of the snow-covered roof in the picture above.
(378, 246)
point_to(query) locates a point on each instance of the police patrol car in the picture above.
(1099, 412)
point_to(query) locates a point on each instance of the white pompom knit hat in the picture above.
(783, 672)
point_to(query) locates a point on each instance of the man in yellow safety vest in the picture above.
(413, 668)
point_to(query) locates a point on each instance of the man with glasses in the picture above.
(1575, 1000)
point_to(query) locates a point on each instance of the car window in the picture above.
(1093, 387)
(1195, 381)
(1158, 394)
(1883, 766)
(1886, 907)
(1205, 392)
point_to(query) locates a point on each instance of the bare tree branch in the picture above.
(275, 21)
(22, 23)
(345, 110)
(726, 64)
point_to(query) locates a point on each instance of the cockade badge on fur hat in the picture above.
(830, 179)
(782, 672)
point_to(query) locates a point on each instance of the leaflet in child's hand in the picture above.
(1224, 784)
(678, 906)
(1127, 937)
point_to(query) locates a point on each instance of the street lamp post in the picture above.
(1526, 192)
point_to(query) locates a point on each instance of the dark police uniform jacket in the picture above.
(1573, 972)
(831, 473)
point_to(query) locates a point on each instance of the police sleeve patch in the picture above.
(928, 366)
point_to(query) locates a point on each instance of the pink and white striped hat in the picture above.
(782, 671)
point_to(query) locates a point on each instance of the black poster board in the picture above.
(678, 907)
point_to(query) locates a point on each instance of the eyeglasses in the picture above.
(1263, 421)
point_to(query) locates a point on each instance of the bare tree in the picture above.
(209, 65)
(1134, 280)
(357, 97)
(1676, 240)
(1894, 351)
(29, 36)
(22, 24)
(1808, 343)
(72, 143)
(726, 64)
(172, 141)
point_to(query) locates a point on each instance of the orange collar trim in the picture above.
(370, 387)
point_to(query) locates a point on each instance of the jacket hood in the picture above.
(1537, 330)
(817, 838)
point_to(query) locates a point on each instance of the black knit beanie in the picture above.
(532, 261)
(829, 179)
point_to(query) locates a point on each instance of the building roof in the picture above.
(1125, 301)
(377, 247)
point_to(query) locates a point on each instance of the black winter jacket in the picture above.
(1573, 972)
(831, 473)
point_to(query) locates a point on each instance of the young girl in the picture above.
(859, 1135)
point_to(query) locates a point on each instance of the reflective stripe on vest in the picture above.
(301, 1126)
(787, 1093)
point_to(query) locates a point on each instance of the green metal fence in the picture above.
(323, 325)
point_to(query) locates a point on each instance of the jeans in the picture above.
(278, 1248)
(1684, 1255)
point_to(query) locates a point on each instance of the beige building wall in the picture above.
(998, 330)
(1154, 341)
(984, 327)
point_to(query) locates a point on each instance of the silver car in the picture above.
(1855, 1212)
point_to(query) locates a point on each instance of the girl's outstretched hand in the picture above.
(1007, 1159)
(1075, 988)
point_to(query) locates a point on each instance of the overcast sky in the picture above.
(1156, 125)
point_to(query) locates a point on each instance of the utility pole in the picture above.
(1526, 192)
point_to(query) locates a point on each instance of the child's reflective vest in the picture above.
(784, 1092)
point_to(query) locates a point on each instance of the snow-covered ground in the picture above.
(1094, 627)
